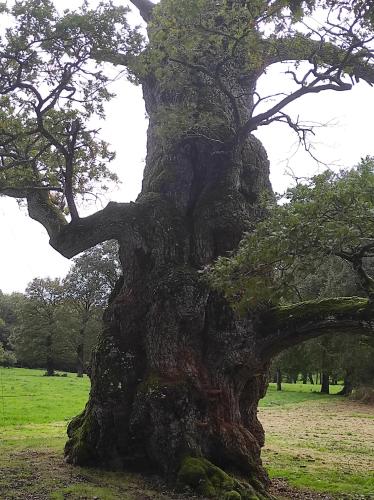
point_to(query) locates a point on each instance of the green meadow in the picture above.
(314, 443)
(27, 397)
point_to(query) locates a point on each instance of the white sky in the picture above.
(24, 249)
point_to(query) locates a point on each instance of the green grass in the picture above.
(295, 394)
(322, 481)
(34, 413)
(314, 441)
(27, 397)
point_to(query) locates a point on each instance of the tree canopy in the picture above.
(50, 88)
(327, 215)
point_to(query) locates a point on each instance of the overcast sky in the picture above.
(24, 250)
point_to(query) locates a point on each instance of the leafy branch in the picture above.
(330, 214)
(49, 89)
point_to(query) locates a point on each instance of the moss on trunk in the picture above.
(208, 480)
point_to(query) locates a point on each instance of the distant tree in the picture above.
(290, 363)
(39, 336)
(58, 321)
(87, 288)
(7, 358)
(338, 356)
(9, 313)
(2, 326)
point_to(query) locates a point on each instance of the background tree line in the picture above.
(55, 323)
(327, 360)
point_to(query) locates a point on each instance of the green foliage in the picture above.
(344, 357)
(203, 56)
(50, 88)
(208, 55)
(10, 306)
(329, 214)
(93, 276)
(39, 337)
(87, 288)
(7, 358)
(62, 319)
(199, 50)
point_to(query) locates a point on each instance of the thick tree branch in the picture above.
(285, 326)
(114, 220)
(145, 8)
(119, 221)
(69, 239)
(330, 63)
(301, 48)
(355, 258)
(118, 59)
(42, 210)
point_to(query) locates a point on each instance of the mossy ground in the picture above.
(323, 443)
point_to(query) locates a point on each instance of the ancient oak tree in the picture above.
(177, 373)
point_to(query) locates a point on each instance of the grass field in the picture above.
(322, 443)
(27, 397)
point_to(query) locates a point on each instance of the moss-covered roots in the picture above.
(208, 480)
(78, 448)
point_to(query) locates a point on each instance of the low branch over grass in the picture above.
(285, 326)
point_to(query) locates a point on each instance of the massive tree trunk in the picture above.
(177, 373)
